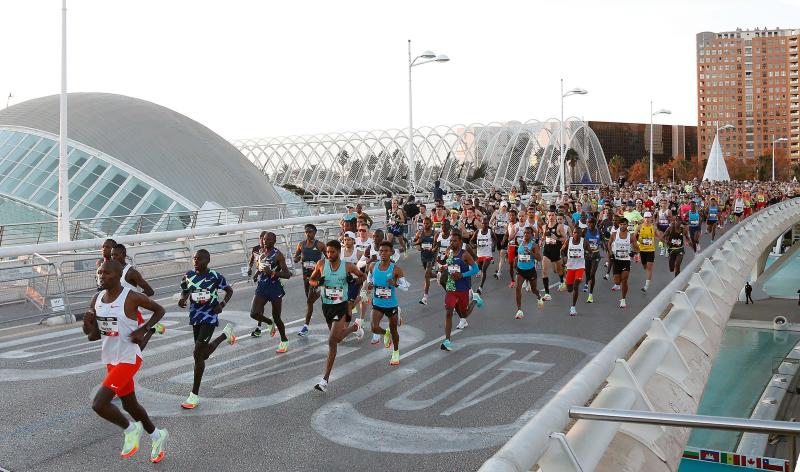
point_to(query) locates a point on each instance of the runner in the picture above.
(712, 218)
(738, 207)
(622, 246)
(113, 316)
(482, 239)
(459, 267)
(577, 249)
(383, 280)
(348, 221)
(201, 285)
(363, 244)
(271, 268)
(309, 252)
(426, 239)
(105, 255)
(439, 215)
(133, 280)
(394, 229)
(645, 237)
(676, 236)
(512, 238)
(662, 223)
(595, 240)
(350, 254)
(332, 274)
(693, 218)
(526, 256)
(499, 225)
(552, 234)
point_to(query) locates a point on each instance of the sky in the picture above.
(249, 69)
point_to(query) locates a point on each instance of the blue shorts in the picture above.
(662, 228)
(269, 289)
(693, 229)
(396, 230)
(353, 291)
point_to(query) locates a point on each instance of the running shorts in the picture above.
(388, 311)
(335, 311)
(353, 291)
(574, 275)
(427, 258)
(396, 230)
(457, 300)
(662, 228)
(269, 290)
(693, 230)
(552, 252)
(527, 274)
(483, 259)
(512, 254)
(646, 257)
(202, 332)
(621, 266)
(120, 377)
(501, 246)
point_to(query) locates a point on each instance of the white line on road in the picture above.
(428, 344)
(16, 327)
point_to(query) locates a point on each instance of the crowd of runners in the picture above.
(461, 244)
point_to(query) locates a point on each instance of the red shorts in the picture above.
(573, 275)
(457, 300)
(760, 205)
(483, 259)
(120, 377)
(748, 211)
(512, 254)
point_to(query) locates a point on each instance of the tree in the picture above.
(741, 169)
(663, 172)
(478, 173)
(615, 165)
(638, 172)
(571, 158)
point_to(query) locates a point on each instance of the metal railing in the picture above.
(694, 305)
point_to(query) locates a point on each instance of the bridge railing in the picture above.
(692, 309)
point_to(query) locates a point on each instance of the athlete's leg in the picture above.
(137, 411)
(678, 261)
(277, 307)
(377, 316)
(518, 292)
(546, 264)
(624, 284)
(448, 322)
(484, 268)
(257, 310)
(395, 333)
(312, 295)
(108, 411)
(339, 330)
(202, 351)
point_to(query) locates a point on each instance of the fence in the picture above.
(684, 321)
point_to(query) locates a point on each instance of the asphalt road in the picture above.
(443, 411)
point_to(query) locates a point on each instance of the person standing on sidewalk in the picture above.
(748, 293)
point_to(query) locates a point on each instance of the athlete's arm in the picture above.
(634, 245)
(90, 327)
(184, 293)
(352, 269)
(139, 281)
(316, 275)
(228, 294)
(397, 274)
(417, 238)
(298, 252)
(536, 254)
(137, 301)
(284, 269)
(321, 247)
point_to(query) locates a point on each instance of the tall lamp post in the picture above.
(424, 58)
(774, 141)
(63, 174)
(562, 150)
(662, 111)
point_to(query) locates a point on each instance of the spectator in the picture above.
(748, 293)
(438, 191)
(387, 204)
(523, 187)
(411, 210)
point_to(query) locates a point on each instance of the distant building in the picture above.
(631, 141)
(748, 79)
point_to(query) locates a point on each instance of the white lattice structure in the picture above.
(461, 156)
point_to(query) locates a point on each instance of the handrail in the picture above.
(528, 445)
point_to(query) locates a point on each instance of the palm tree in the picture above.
(615, 166)
(571, 158)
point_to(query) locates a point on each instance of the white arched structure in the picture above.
(461, 156)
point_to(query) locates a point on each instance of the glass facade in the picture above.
(99, 192)
(631, 141)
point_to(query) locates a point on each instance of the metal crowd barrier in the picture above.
(691, 312)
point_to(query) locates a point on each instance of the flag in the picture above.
(772, 464)
(691, 455)
(751, 462)
(726, 458)
(709, 456)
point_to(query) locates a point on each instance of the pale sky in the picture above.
(267, 68)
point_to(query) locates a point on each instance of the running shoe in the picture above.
(282, 347)
(479, 290)
(159, 328)
(585, 288)
(423, 300)
(256, 333)
(605, 277)
(562, 287)
(395, 358)
(131, 444)
(228, 331)
(303, 331)
(191, 402)
(273, 330)
(387, 338)
(496, 276)
(159, 446)
(462, 323)
(512, 284)
(519, 315)
(590, 298)
(540, 303)
(573, 311)
(615, 288)
(322, 386)
(622, 303)
(478, 299)
(605, 264)
(376, 338)
(547, 297)
(446, 345)
(644, 289)
(359, 331)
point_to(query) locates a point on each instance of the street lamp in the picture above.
(662, 111)
(779, 140)
(426, 57)
(63, 166)
(562, 150)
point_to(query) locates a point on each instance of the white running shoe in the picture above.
(615, 288)
(605, 277)
(322, 386)
(622, 303)
(547, 297)
(462, 323)
(518, 315)
(424, 300)
(376, 338)
(573, 311)
(360, 331)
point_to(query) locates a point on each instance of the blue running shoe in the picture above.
(447, 345)
(478, 300)
(303, 331)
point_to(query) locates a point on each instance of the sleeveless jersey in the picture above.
(576, 257)
(663, 217)
(384, 293)
(694, 219)
(551, 235)
(647, 236)
(115, 328)
(352, 258)
(621, 248)
(484, 243)
(501, 222)
(266, 264)
(525, 261)
(675, 242)
(335, 289)
(455, 263)
(593, 238)
(426, 243)
(309, 256)
(713, 214)
(125, 283)
(444, 243)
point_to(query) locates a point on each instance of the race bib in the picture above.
(694, 222)
(676, 242)
(621, 254)
(592, 245)
(335, 294)
(201, 297)
(108, 326)
(549, 240)
(483, 243)
(575, 253)
(647, 241)
(383, 292)
(427, 246)
(309, 265)
(437, 225)
(524, 257)
(453, 268)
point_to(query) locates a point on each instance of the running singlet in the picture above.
(457, 264)
(647, 236)
(361, 246)
(501, 223)
(384, 293)
(444, 243)
(694, 220)
(115, 328)
(309, 257)
(352, 258)
(484, 244)
(437, 221)
(675, 243)
(593, 238)
(713, 214)
(525, 260)
(202, 290)
(576, 258)
(738, 206)
(551, 236)
(621, 248)
(334, 290)
(426, 243)
(125, 283)
(663, 218)
(266, 264)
